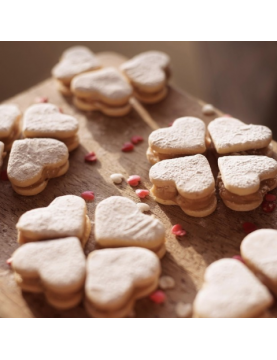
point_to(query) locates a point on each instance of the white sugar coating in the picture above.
(158, 58)
(231, 290)
(117, 178)
(166, 282)
(1, 153)
(143, 207)
(113, 275)
(74, 61)
(60, 263)
(46, 119)
(108, 82)
(259, 251)
(208, 109)
(191, 175)
(232, 135)
(8, 115)
(119, 222)
(183, 310)
(242, 175)
(185, 136)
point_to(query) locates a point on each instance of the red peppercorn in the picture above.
(239, 258)
(136, 139)
(4, 175)
(158, 297)
(270, 197)
(133, 180)
(41, 99)
(88, 195)
(9, 261)
(142, 193)
(90, 157)
(268, 207)
(249, 227)
(178, 230)
(127, 147)
(60, 110)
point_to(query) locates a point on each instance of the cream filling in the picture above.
(258, 196)
(171, 193)
(160, 156)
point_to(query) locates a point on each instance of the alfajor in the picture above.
(2, 153)
(9, 124)
(33, 162)
(65, 216)
(244, 180)
(187, 136)
(105, 90)
(187, 182)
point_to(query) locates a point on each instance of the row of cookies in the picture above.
(108, 89)
(237, 289)
(188, 182)
(51, 260)
(226, 135)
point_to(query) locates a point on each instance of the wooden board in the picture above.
(208, 239)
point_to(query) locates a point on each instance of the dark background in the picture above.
(240, 78)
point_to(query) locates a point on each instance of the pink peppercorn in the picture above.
(136, 139)
(90, 157)
(158, 297)
(133, 180)
(178, 230)
(239, 258)
(88, 195)
(9, 261)
(127, 147)
(268, 207)
(270, 197)
(249, 227)
(142, 193)
(41, 99)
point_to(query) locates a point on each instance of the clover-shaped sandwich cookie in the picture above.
(9, 124)
(105, 90)
(233, 137)
(65, 216)
(74, 61)
(148, 73)
(259, 251)
(187, 182)
(231, 290)
(33, 162)
(56, 268)
(120, 223)
(116, 278)
(2, 153)
(187, 136)
(46, 121)
(244, 180)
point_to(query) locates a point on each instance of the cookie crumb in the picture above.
(183, 310)
(127, 147)
(142, 193)
(88, 195)
(177, 230)
(166, 282)
(136, 139)
(117, 178)
(208, 109)
(158, 297)
(133, 180)
(143, 207)
(90, 157)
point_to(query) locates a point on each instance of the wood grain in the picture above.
(208, 239)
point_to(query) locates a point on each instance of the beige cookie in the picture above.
(74, 61)
(187, 182)
(65, 216)
(46, 121)
(259, 251)
(187, 136)
(119, 223)
(57, 268)
(2, 153)
(148, 73)
(231, 135)
(244, 180)
(33, 162)
(116, 278)
(9, 124)
(230, 290)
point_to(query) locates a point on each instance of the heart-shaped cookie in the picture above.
(119, 222)
(9, 124)
(56, 268)
(65, 216)
(46, 121)
(33, 162)
(2, 154)
(117, 277)
(187, 136)
(187, 182)
(259, 251)
(74, 61)
(231, 135)
(230, 290)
